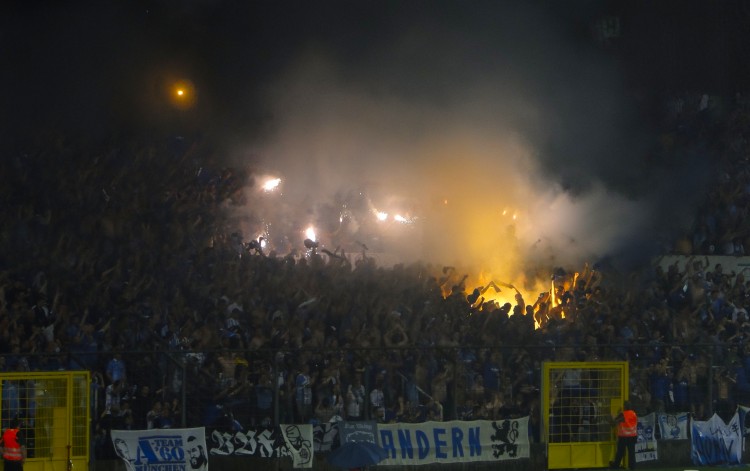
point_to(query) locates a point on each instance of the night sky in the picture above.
(490, 105)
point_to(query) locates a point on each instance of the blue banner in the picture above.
(715, 442)
(162, 449)
(454, 441)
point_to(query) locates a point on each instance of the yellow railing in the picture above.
(55, 415)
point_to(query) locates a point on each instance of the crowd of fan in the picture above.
(119, 259)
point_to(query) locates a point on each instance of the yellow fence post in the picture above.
(54, 408)
(579, 400)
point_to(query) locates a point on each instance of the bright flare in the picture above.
(271, 184)
(182, 94)
(382, 216)
(310, 233)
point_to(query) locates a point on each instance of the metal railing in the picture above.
(264, 387)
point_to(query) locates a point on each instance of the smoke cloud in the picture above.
(512, 142)
(499, 130)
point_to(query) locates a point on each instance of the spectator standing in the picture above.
(116, 370)
(112, 397)
(355, 398)
(303, 394)
(323, 410)
(139, 403)
(377, 403)
(153, 416)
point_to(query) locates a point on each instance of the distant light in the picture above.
(182, 94)
(381, 215)
(400, 218)
(271, 184)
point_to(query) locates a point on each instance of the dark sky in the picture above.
(501, 104)
(83, 61)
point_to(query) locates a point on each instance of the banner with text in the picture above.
(294, 441)
(162, 449)
(454, 441)
(645, 447)
(714, 442)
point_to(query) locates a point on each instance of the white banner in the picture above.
(292, 440)
(645, 447)
(454, 441)
(298, 440)
(715, 442)
(162, 449)
(674, 426)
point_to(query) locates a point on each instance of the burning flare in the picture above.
(271, 184)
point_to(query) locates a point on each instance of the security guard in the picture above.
(627, 436)
(13, 448)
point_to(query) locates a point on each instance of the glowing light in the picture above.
(271, 184)
(310, 233)
(553, 295)
(381, 215)
(182, 94)
(498, 292)
(400, 218)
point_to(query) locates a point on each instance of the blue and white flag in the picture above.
(160, 449)
(744, 420)
(645, 447)
(714, 442)
(674, 426)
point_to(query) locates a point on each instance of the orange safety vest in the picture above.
(11, 447)
(629, 425)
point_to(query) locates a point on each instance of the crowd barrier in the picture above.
(662, 379)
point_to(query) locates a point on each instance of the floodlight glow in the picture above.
(382, 216)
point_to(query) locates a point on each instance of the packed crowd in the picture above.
(123, 262)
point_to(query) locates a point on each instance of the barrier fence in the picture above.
(267, 387)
